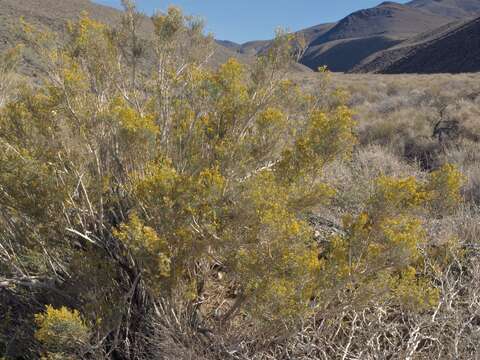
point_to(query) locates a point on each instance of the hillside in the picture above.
(367, 31)
(451, 49)
(388, 19)
(343, 55)
(256, 47)
(316, 31)
(458, 9)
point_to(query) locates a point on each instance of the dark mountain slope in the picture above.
(343, 55)
(458, 9)
(451, 49)
(366, 32)
(314, 32)
(386, 19)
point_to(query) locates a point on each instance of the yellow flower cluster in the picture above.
(61, 330)
(146, 244)
(381, 247)
(444, 187)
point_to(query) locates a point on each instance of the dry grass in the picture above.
(397, 116)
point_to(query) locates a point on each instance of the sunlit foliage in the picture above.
(144, 177)
(62, 332)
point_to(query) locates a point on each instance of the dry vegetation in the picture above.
(424, 120)
(409, 125)
(414, 122)
(229, 214)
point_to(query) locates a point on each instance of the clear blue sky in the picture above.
(244, 20)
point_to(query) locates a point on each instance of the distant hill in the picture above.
(348, 43)
(386, 19)
(314, 32)
(249, 48)
(365, 32)
(458, 9)
(454, 48)
(343, 55)
(256, 47)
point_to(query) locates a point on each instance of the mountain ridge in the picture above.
(457, 9)
(363, 34)
(453, 49)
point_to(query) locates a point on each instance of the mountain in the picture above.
(390, 37)
(367, 31)
(454, 48)
(343, 55)
(228, 44)
(347, 44)
(387, 19)
(314, 32)
(457, 9)
(249, 48)
(256, 47)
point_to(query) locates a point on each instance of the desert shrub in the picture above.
(62, 332)
(444, 187)
(465, 154)
(384, 240)
(160, 183)
(353, 179)
(8, 62)
(163, 194)
(396, 118)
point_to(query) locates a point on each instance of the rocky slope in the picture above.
(458, 9)
(454, 48)
(365, 32)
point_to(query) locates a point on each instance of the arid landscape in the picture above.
(167, 195)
